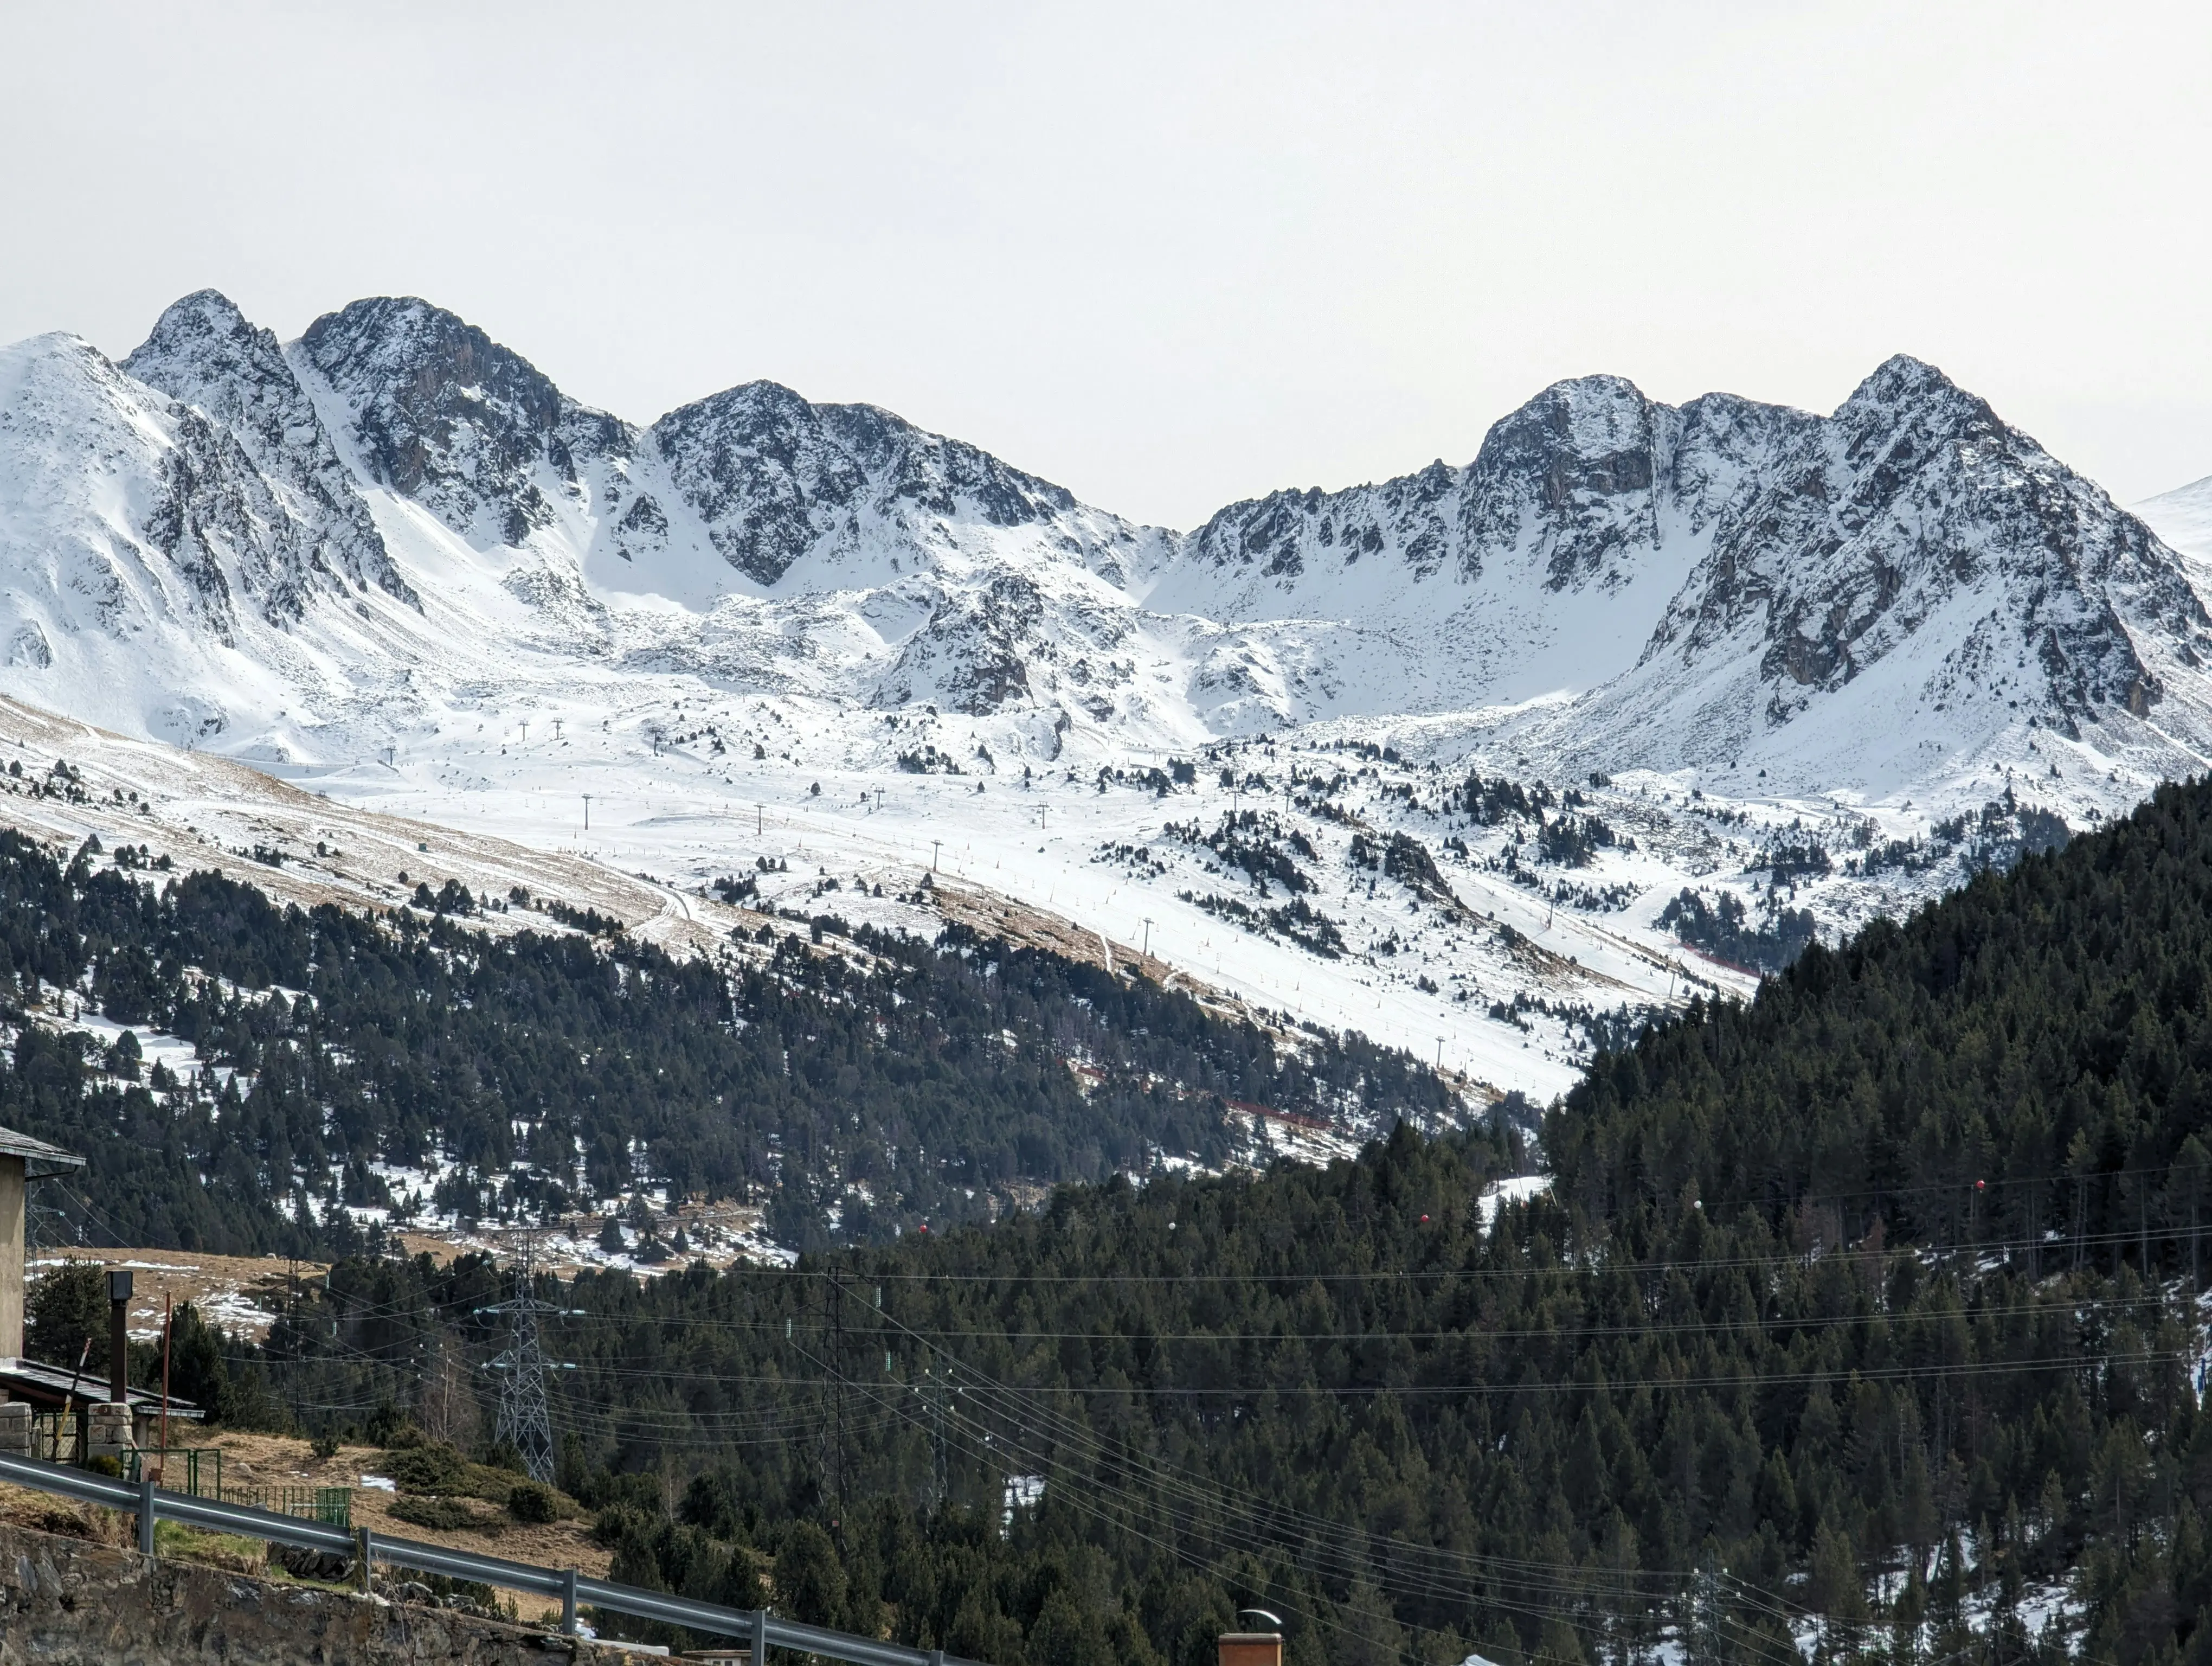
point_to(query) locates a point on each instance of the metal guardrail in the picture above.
(756, 1628)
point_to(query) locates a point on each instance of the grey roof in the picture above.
(44, 1384)
(40, 1160)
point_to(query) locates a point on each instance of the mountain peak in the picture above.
(203, 314)
(203, 352)
(445, 414)
(1592, 416)
(1903, 382)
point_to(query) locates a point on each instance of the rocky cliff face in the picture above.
(1579, 487)
(774, 479)
(1739, 566)
(1912, 564)
(203, 354)
(442, 414)
(129, 512)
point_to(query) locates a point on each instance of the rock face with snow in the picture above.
(440, 413)
(774, 479)
(1912, 558)
(1724, 584)
(1729, 580)
(1542, 565)
(203, 353)
(149, 572)
(1581, 486)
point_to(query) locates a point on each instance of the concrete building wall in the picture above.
(11, 1257)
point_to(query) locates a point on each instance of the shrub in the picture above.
(532, 1501)
(444, 1514)
(434, 1466)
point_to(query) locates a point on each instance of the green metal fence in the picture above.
(331, 1506)
(194, 1469)
(197, 1470)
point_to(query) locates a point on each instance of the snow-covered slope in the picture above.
(393, 560)
(2183, 517)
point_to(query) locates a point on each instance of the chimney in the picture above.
(119, 1335)
(1252, 1647)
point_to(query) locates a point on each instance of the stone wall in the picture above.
(67, 1602)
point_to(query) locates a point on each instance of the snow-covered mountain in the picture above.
(394, 559)
(1734, 588)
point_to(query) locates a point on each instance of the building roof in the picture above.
(57, 1385)
(40, 1160)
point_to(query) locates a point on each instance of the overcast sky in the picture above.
(1167, 255)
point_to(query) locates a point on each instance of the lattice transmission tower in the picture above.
(525, 1415)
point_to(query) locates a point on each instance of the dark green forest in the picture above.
(936, 1075)
(1864, 1314)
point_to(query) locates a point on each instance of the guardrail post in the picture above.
(364, 1546)
(568, 1602)
(760, 1638)
(145, 1514)
(937, 1657)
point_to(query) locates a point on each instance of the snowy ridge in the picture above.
(393, 562)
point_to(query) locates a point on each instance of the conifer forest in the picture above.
(1862, 1317)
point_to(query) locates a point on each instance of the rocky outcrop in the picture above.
(1915, 532)
(774, 478)
(444, 415)
(1582, 482)
(204, 354)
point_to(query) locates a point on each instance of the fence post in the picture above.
(145, 1512)
(760, 1638)
(568, 1602)
(364, 1544)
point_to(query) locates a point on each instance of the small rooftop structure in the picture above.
(1251, 1649)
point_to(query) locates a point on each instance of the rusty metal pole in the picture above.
(161, 1461)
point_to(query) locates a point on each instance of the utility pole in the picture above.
(587, 812)
(1148, 937)
(526, 1419)
(936, 849)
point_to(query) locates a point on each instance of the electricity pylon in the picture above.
(525, 1417)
